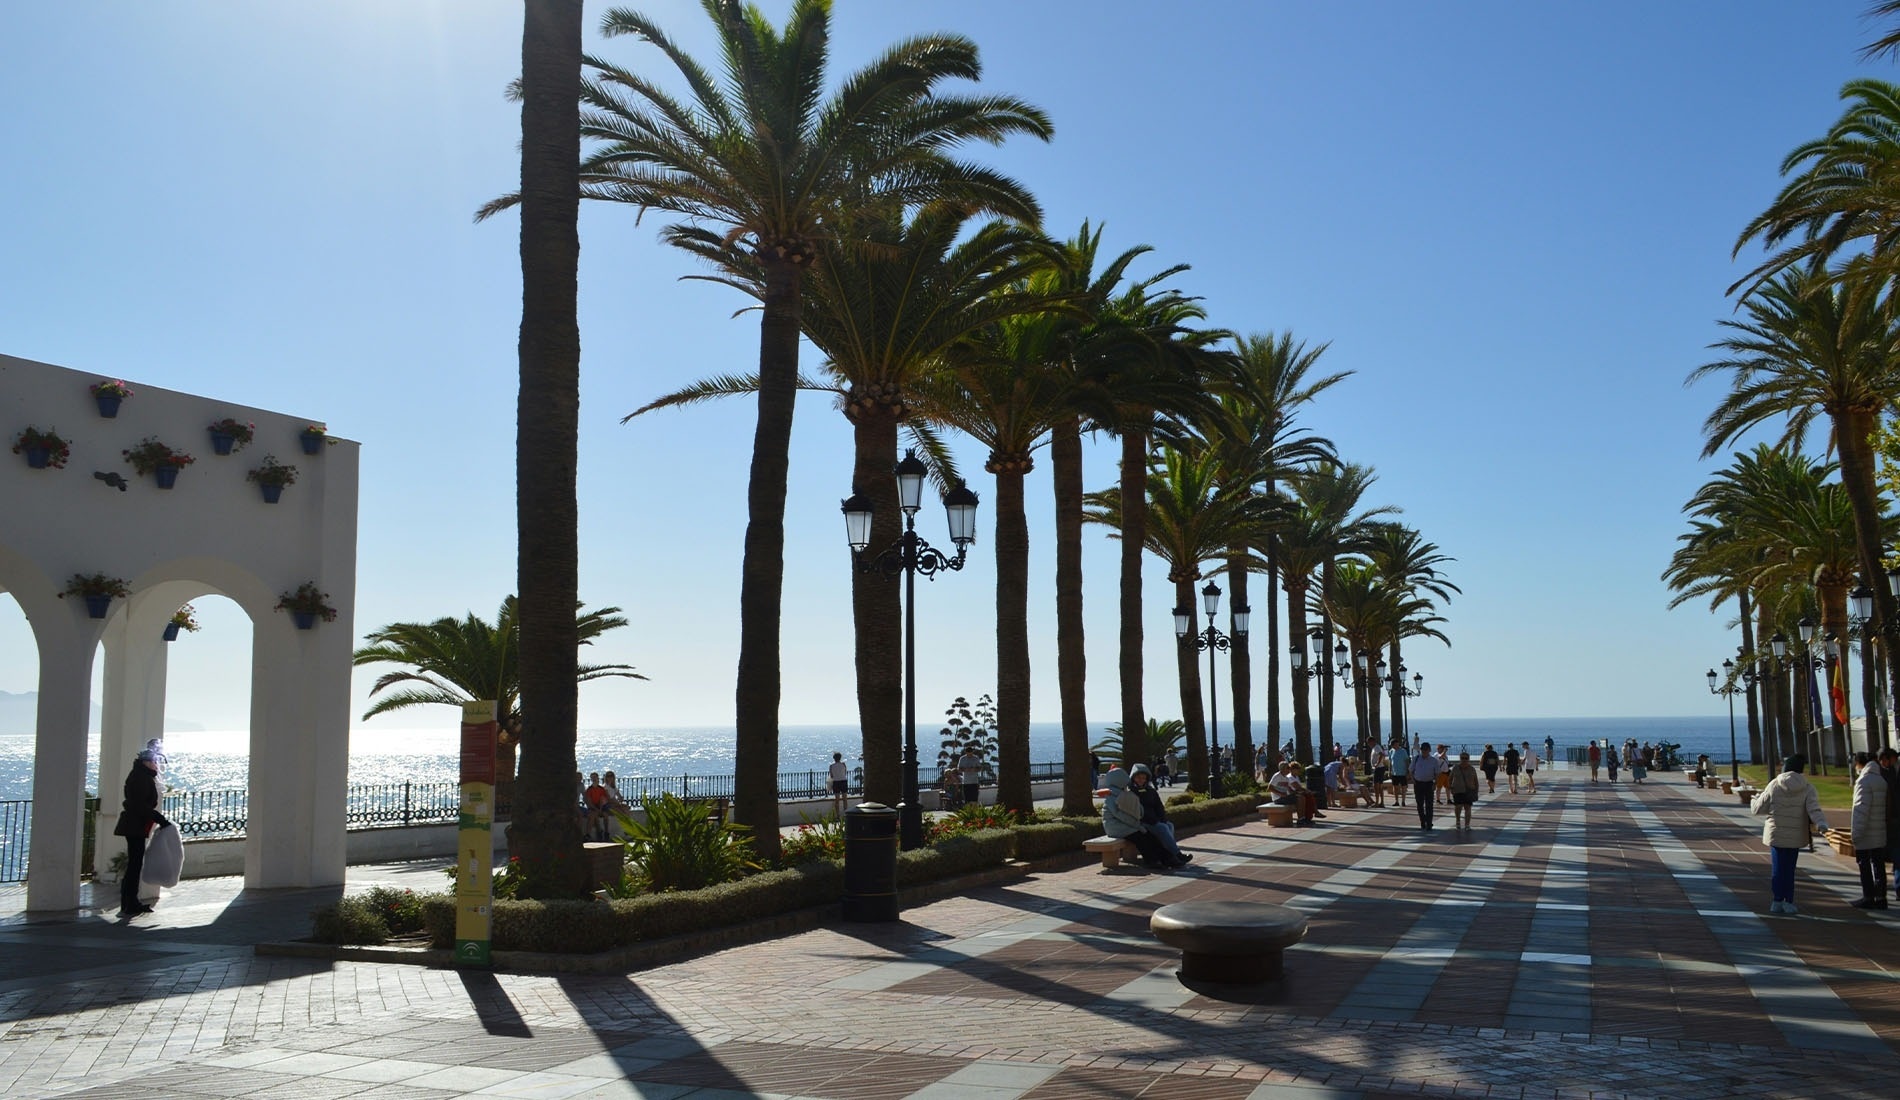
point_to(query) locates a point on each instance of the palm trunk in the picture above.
(1240, 672)
(1188, 671)
(1854, 433)
(762, 574)
(1326, 683)
(1273, 650)
(1065, 463)
(877, 608)
(1373, 687)
(1296, 633)
(544, 833)
(1134, 501)
(1833, 597)
(1012, 640)
(1755, 746)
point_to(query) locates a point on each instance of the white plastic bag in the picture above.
(164, 858)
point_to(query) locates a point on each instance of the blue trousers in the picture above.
(1781, 873)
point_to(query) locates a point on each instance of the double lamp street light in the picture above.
(1210, 640)
(911, 555)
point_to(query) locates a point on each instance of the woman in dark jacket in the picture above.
(1155, 815)
(136, 820)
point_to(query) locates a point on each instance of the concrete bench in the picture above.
(1746, 794)
(1348, 800)
(1275, 815)
(1113, 850)
(1229, 942)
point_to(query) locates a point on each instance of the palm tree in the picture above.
(1268, 384)
(762, 152)
(1191, 522)
(456, 661)
(1810, 347)
(1155, 742)
(883, 305)
(547, 428)
(1409, 566)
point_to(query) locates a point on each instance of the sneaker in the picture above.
(1788, 909)
(1864, 903)
(1776, 907)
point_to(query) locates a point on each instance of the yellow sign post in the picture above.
(474, 840)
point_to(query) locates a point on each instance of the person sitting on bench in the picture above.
(1154, 815)
(1121, 819)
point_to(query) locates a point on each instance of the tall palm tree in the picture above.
(1262, 397)
(1408, 565)
(1192, 522)
(882, 305)
(1810, 348)
(456, 661)
(547, 428)
(762, 152)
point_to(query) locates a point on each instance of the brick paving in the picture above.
(1587, 940)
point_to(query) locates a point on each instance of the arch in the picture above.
(211, 535)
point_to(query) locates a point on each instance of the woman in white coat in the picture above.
(1791, 806)
(1870, 832)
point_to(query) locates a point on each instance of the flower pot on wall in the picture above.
(271, 493)
(221, 442)
(166, 476)
(304, 620)
(97, 606)
(171, 632)
(38, 457)
(312, 444)
(108, 404)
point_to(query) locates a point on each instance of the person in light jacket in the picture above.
(1870, 832)
(1121, 818)
(1791, 807)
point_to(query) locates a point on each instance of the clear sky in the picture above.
(1512, 220)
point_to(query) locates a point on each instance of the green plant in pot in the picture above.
(185, 618)
(271, 477)
(229, 436)
(159, 460)
(306, 605)
(43, 449)
(98, 590)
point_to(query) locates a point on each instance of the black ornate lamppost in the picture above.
(1211, 640)
(1726, 683)
(1400, 693)
(911, 555)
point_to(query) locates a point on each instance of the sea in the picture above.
(220, 759)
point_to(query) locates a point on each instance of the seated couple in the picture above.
(1132, 811)
(1289, 791)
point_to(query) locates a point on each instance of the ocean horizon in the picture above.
(220, 760)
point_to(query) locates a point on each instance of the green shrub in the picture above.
(813, 840)
(681, 847)
(350, 920)
(970, 819)
(401, 910)
(1205, 810)
(505, 882)
(956, 855)
(1186, 798)
(1046, 839)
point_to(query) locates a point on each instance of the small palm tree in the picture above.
(1153, 742)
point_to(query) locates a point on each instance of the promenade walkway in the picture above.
(1587, 940)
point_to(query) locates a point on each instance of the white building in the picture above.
(211, 534)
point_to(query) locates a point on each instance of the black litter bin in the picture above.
(870, 862)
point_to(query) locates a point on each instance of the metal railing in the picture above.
(225, 813)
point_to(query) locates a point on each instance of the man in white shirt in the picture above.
(840, 782)
(970, 773)
(1425, 769)
(1530, 767)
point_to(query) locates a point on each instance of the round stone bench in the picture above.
(1276, 815)
(1229, 942)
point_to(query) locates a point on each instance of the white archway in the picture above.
(212, 534)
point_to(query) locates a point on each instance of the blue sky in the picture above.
(1512, 221)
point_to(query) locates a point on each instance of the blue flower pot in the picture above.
(304, 620)
(38, 457)
(108, 404)
(171, 632)
(271, 493)
(166, 476)
(221, 442)
(312, 444)
(97, 606)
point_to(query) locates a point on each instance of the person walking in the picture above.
(1463, 785)
(1425, 772)
(1596, 760)
(840, 777)
(1639, 763)
(1381, 774)
(1489, 762)
(1512, 763)
(138, 816)
(1550, 750)
(1614, 756)
(1530, 768)
(1400, 761)
(1870, 832)
(1442, 792)
(970, 775)
(1791, 807)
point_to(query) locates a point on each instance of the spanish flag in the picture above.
(1837, 691)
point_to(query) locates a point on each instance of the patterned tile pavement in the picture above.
(1587, 940)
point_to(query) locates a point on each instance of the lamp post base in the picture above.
(910, 824)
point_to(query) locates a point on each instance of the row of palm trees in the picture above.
(937, 304)
(1784, 537)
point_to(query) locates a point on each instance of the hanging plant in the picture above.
(312, 438)
(108, 393)
(272, 476)
(155, 458)
(229, 436)
(43, 449)
(97, 590)
(306, 605)
(185, 618)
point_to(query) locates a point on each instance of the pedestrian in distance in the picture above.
(138, 816)
(970, 775)
(1381, 774)
(1870, 832)
(1400, 761)
(1462, 782)
(1530, 768)
(1442, 792)
(841, 783)
(1792, 807)
(1612, 762)
(1513, 763)
(1425, 771)
(1595, 754)
(1550, 750)
(1489, 763)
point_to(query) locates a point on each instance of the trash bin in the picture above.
(870, 863)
